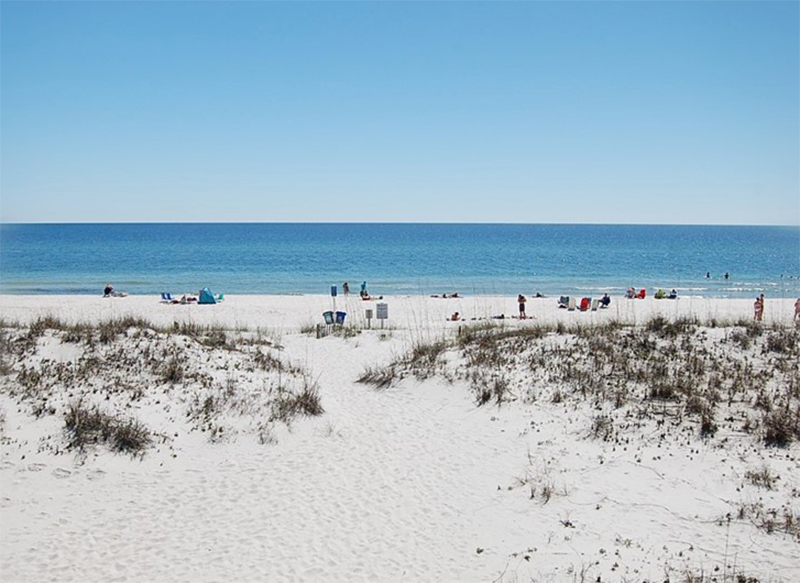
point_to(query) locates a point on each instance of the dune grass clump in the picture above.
(424, 360)
(289, 405)
(762, 478)
(424, 356)
(666, 328)
(109, 330)
(494, 389)
(87, 426)
(727, 576)
(267, 361)
(173, 370)
(380, 378)
(781, 426)
(602, 427)
(771, 520)
(785, 341)
(5, 351)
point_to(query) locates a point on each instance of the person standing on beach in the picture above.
(346, 289)
(796, 309)
(758, 308)
(521, 301)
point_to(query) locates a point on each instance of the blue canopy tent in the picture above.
(206, 297)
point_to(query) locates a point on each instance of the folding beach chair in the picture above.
(595, 303)
(585, 304)
(563, 301)
(571, 304)
(166, 297)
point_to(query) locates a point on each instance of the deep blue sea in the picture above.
(295, 258)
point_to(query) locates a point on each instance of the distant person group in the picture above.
(758, 309)
(633, 294)
(363, 293)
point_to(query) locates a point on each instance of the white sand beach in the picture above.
(289, 313)
(411, 482)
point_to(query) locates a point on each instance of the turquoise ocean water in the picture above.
(295, 258)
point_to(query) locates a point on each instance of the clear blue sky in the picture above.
(608, 112)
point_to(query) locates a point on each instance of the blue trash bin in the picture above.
(340, 317)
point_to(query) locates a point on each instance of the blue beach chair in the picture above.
(166, 297)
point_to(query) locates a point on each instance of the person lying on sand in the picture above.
(455, 317)
(110, 292)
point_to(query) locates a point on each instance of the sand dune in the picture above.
(414, 482)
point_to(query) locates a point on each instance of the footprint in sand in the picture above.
(61, 473)
(6, 465)
(95, 475)
(5, 502)
(35, 467)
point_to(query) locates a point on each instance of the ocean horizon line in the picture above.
(454, 223)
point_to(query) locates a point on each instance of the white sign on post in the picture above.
(383, 312)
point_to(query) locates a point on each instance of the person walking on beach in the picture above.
(521, 301)
(346, 289)
(796, 309)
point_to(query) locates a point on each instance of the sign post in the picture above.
(333, 295)
(369, 318)
(383, 312)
